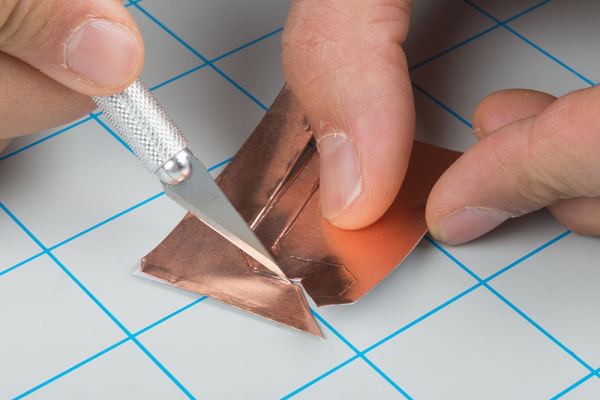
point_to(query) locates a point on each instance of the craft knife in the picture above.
(151, 134)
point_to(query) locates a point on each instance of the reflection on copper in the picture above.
(273, 181)
(193, 257)
(196, 258)
(338, 266)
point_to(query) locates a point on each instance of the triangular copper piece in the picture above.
(193, 257)
(225, 276)
(273, 182)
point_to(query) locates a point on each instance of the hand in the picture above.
(343, 60)
(54, 54)
(534, 151)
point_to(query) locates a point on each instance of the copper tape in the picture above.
(273, 181)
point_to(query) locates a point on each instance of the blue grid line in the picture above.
(541, 329)
(98, 225)
(77, 236)
(476, 285)
(522, 12)
(162, 367)
(179, 76)
(95, 300)
(220, 164)
(174, 313)
(114, 346)
(445, 107)
(456, 46)
(529, 42)
(86, 231)
(576, 384)
(95, 115)
(320, 378)
(553, 58)
(515, 308)
(438, 308)
(499, 24)
(109, 130)
(372, 347)
(247, 45)
(528, 255)
(210, 63)
(389, 337)
(460, 295)
(421, 318)
(361, 355)
(73, 368)
(130, 2)
(204, 64)
(23, 228)
(46, 138)
(102, 223)
(207, 62)
(7, 270)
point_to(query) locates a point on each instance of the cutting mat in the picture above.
(511, 315)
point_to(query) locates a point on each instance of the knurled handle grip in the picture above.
(143, 124)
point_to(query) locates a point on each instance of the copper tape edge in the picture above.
(333, 265)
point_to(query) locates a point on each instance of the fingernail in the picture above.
(340, 181)
(469, 223)
(103, 52)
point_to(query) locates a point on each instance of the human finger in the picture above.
(525, 165)
(506, 106)
(580, 214)
(91, 46)
(344, 61)
(32, 101)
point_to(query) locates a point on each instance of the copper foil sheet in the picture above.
(273, 181)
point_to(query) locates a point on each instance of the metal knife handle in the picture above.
(144, 125)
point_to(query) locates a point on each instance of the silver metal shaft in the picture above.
(158, 143)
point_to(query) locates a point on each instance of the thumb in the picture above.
(544, 160)
(344, 62)
(90, 46)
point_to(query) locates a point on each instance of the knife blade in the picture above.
(140, 120)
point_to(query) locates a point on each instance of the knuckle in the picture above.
(544, 182)
(22, 20)
(307, 32)
(321, 37)
(540, 192)
(563, 148)
(388, 20)
(317, 27)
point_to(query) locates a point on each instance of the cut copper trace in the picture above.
(273, 181)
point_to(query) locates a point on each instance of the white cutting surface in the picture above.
(512, 315)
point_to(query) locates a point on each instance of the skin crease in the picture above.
(326, 46)
(345, 63)
(34, 76)
(534, 151)
(507, 106)
(523, 163)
